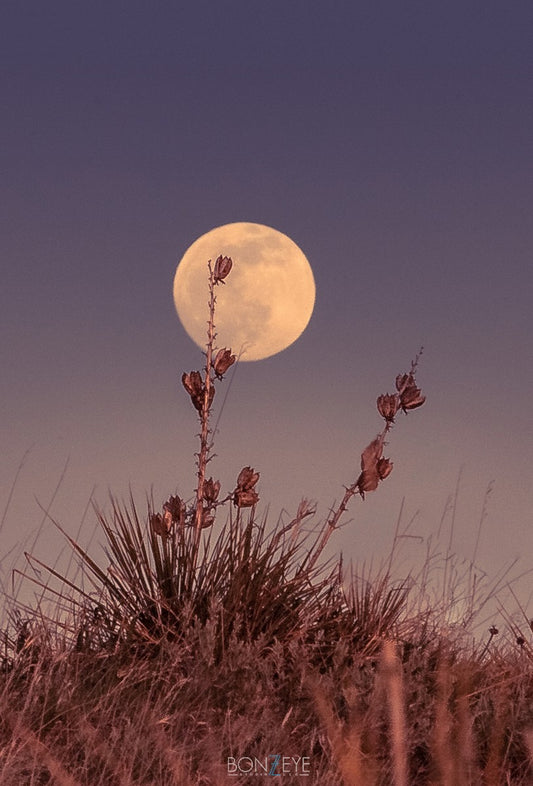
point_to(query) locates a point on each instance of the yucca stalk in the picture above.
(205, 444)
(374, 467)
(201, 388)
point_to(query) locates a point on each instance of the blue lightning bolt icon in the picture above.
(275, 763)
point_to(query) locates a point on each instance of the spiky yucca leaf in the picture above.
(249, 579)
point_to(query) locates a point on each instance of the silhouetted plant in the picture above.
(201, 387)
(374, 467)
(165, 574)
(198, 642)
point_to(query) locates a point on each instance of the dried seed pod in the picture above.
(195, 387)
(167, 520)
(193, 383)
(410, 394)
(222, 268)
(411, 398)
(159, 527)
(207, 519)
(384, 468)
(174, 509)
(388, 406)
(222, 362)
(211, 490)
(244, 495)
(372, 453)
(247, 478)
(245, 498)
(369, 478)
(404, 381)
(367, 481)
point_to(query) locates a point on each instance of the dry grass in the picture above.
(359, 679)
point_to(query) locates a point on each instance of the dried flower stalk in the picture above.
(374, 466)
(201, 389)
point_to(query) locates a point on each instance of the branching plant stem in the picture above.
(205, 446)
(332, 522)
(373, 466)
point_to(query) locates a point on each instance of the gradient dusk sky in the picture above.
(393, 142)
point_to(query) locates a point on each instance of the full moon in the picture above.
(263, 305)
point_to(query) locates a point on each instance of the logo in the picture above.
(274, 765)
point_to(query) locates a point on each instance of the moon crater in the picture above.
(265, 303)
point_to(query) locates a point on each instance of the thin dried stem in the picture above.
(203, 456)
(332, 522)
(374, 467)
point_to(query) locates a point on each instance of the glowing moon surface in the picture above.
(265, 303)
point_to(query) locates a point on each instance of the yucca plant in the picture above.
(205, 638)
(174, 567)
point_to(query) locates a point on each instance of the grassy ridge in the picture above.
(263, 654)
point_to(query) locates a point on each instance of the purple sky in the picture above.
(393, 142)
